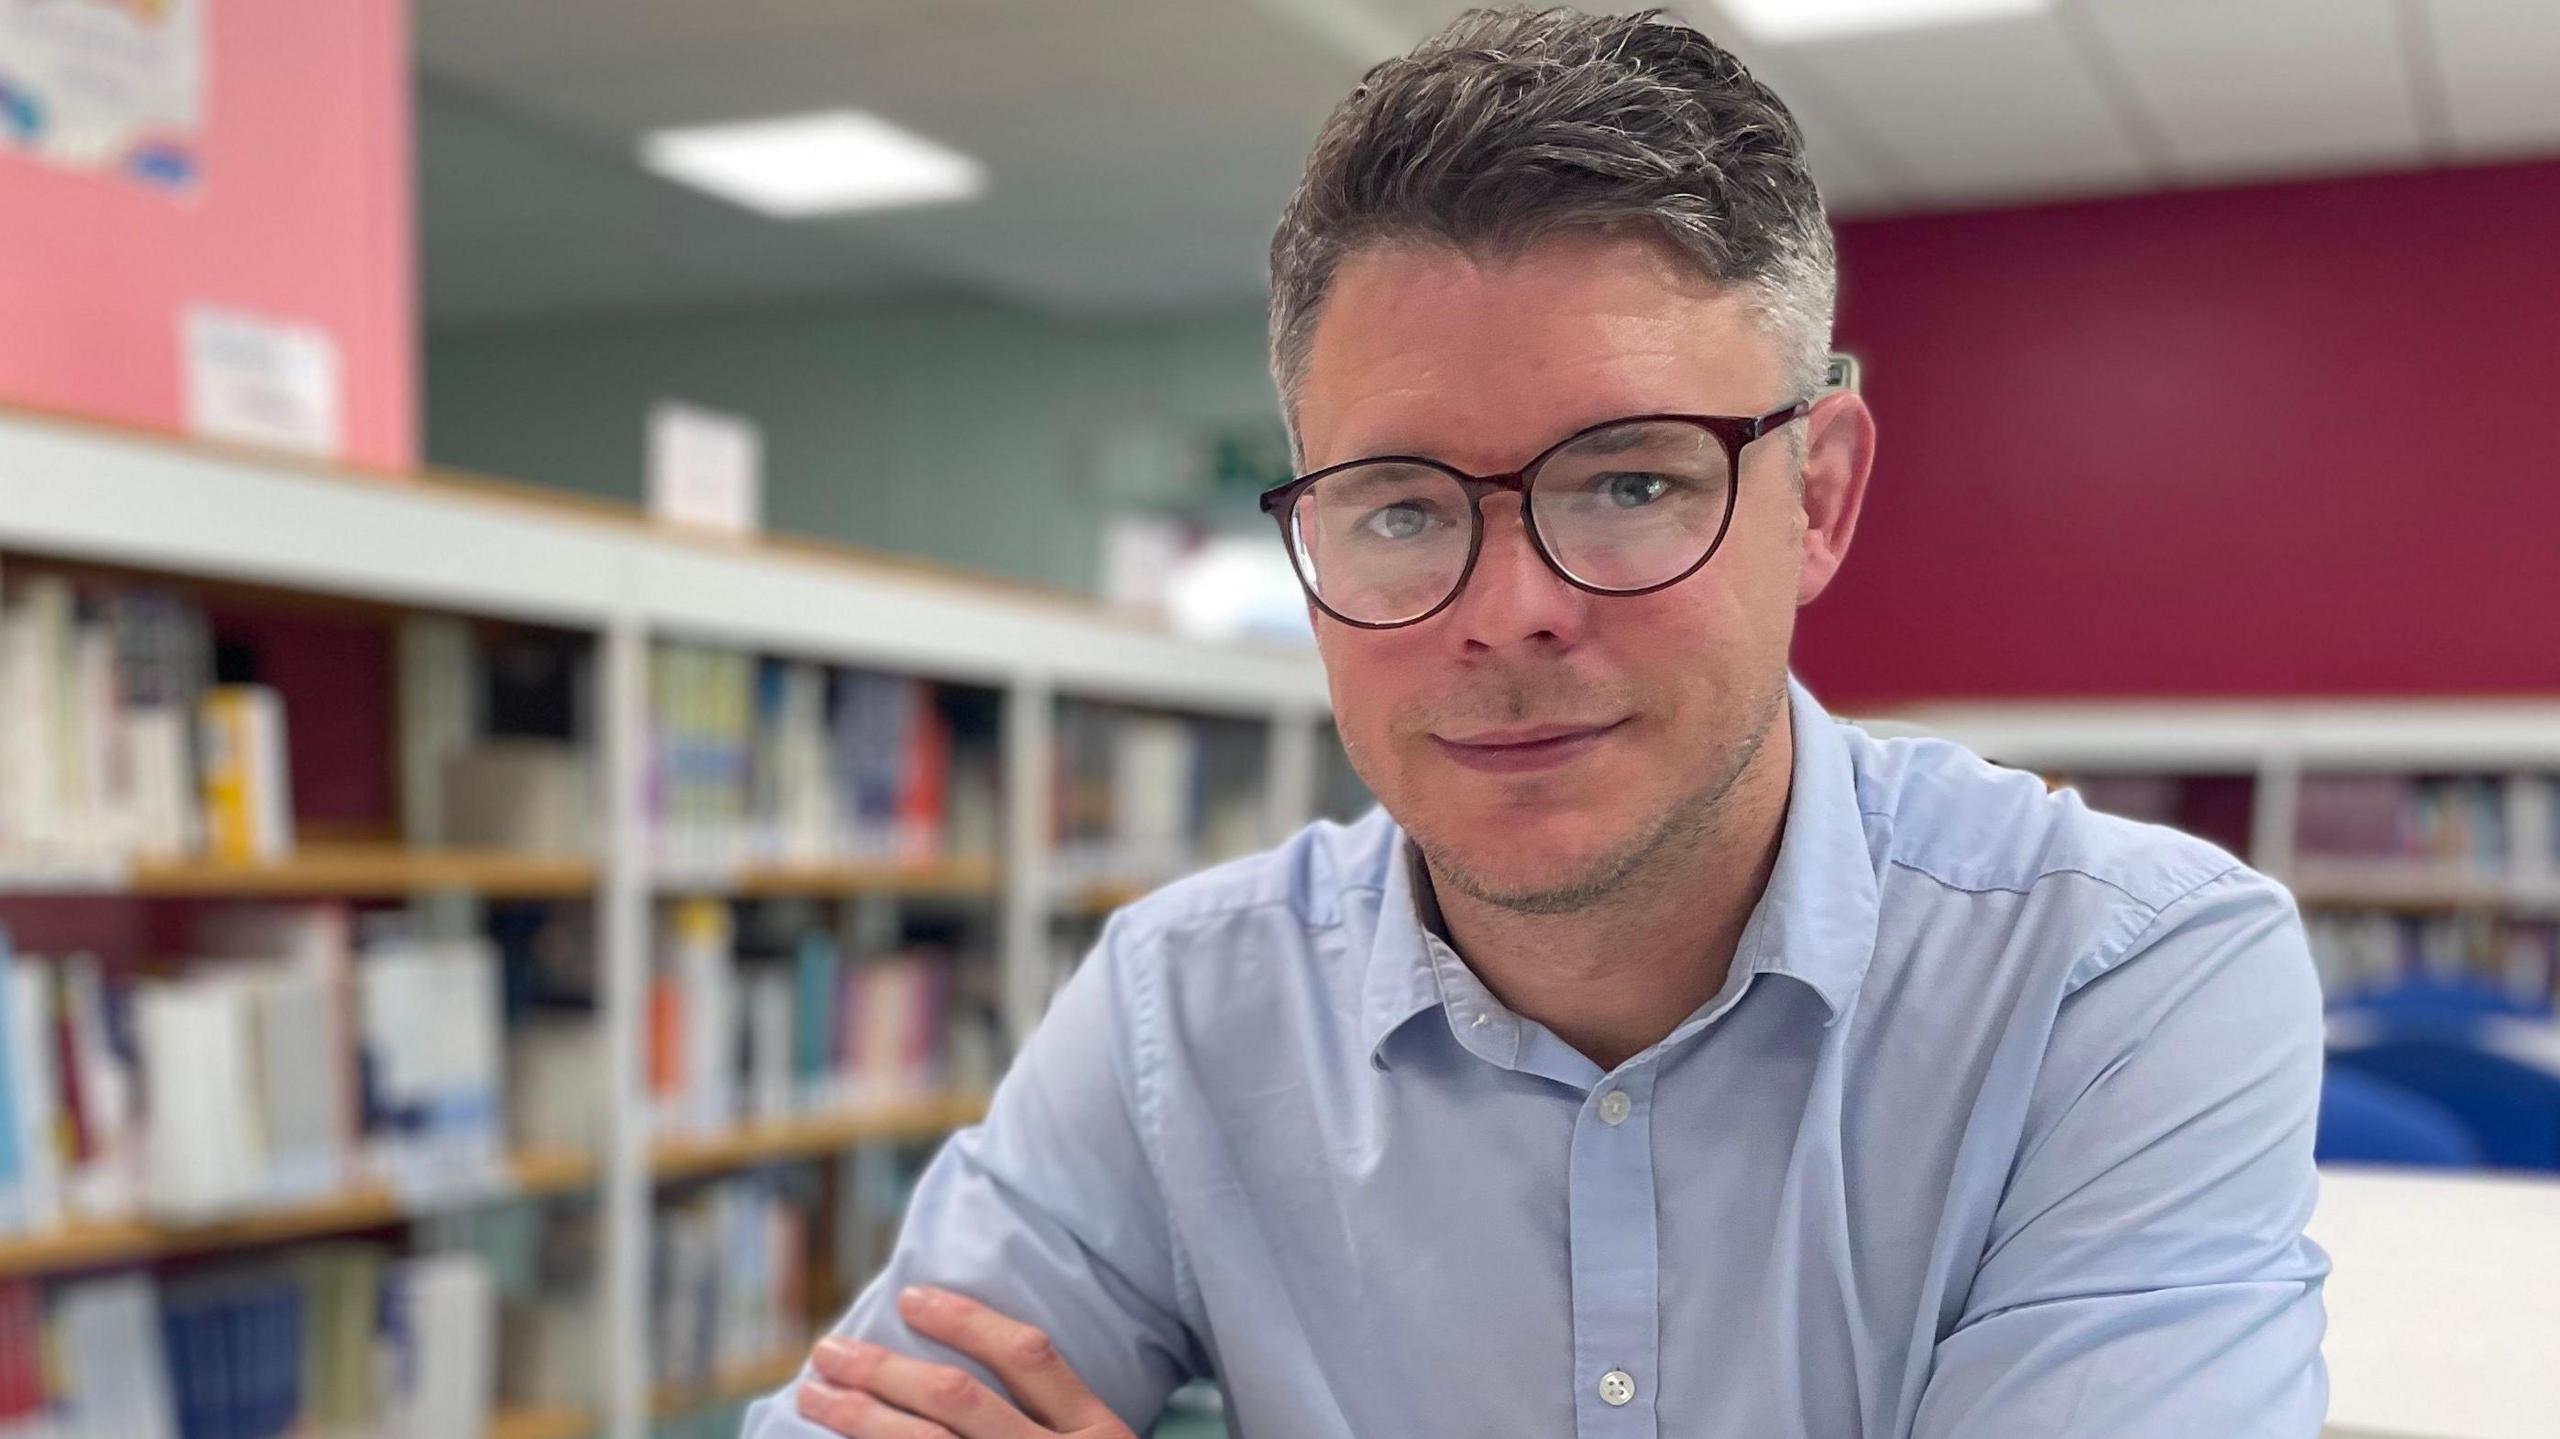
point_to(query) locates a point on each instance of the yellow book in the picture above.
(247, 807)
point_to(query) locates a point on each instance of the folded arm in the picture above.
(2147, 1273)
(1049, 1213)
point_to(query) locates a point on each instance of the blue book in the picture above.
(279, 1357)
(195, 1361)
(813, 1013)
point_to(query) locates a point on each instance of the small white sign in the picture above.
(105, 84)
(705, 468)
(256, 381)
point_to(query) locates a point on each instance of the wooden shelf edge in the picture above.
(100, 1243)
(688, 1156)
(730, 1386)
(371, 870)
(2412, 886)
(541, 1422)
(972, 878)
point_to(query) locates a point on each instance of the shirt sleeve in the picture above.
(1048, 1211)
(2147, 1272)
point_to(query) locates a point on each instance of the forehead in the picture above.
(1485, 360)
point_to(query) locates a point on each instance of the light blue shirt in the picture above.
(2000, 1129)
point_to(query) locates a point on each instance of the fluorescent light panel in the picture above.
(1780, 22)
(793, 166)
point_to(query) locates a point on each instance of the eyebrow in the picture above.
(1617, 440)
(1386, 471)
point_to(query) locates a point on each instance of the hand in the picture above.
(863, 1391)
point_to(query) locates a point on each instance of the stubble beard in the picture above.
(1644, 862)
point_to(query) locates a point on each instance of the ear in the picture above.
(1840, 447)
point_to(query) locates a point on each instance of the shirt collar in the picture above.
(1815, 922)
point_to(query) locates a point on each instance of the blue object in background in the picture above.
(2469, 1050)
(2364, 1120)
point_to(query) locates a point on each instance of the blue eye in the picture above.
(1396, 522)
(1631, 490)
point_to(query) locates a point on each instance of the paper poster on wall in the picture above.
(706, 469)
(108, 85)
(256, 381)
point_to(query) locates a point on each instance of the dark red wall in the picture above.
(2296, 439)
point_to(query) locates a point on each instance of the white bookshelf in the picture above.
(2274, 745)
(72, 492)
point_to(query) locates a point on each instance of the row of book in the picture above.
(496, 736)
(2362, 952)
(763, 760)
(1151, 796)
(744, 1269)
(278, 1066)
(2454, 820)
(730, 1275)
(541, 1256)
(801, 1028)
(116, 742)
(338, 1342)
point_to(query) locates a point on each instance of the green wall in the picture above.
(973, 434)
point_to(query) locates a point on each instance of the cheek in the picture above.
(1369, 678)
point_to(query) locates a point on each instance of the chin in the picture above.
(1521, 861)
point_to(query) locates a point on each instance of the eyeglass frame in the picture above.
(1733, 432)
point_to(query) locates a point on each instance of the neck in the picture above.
(1614, 978)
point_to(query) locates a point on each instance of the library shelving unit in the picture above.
(1038, 669)
(2418, 816)
(103, 501)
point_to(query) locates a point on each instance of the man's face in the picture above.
(1657, 702)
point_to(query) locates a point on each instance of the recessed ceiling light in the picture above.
(1779, 22)
(822, 164)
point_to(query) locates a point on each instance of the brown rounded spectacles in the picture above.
(1625, 507)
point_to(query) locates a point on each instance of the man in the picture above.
(1666, 1058)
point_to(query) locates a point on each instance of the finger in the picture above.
(1019, 1354)
(951, 1397)
(857, 1415)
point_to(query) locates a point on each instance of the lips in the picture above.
(1526, 749)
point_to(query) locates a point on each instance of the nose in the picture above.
(1513, 597)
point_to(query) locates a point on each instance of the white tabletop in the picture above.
(2444, 1310)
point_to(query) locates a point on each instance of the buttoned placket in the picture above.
(1611, 1207)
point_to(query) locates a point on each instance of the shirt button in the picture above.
(1617, 1387)
(1614, 1107)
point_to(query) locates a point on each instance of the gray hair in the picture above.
(1512, 124)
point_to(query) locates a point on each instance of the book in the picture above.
(33, 1088)
(695, 1054)
(202, 1154)
(435, 1116)
(435, 662)
(114, 1380)
(817, 1039)
(756, 760)
(99, 1075)
(768, 1042)
(248, 801)
(729, 1264)
(440, 1337)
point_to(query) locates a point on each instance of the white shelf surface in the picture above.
(105, 496)
(2217, 737)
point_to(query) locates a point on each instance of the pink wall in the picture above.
(302, 213)
(2278, 440)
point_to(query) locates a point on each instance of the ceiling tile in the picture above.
(2269, 87)
(1996, 110)
(2501, 65)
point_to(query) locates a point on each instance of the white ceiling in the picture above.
(1140, 149)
